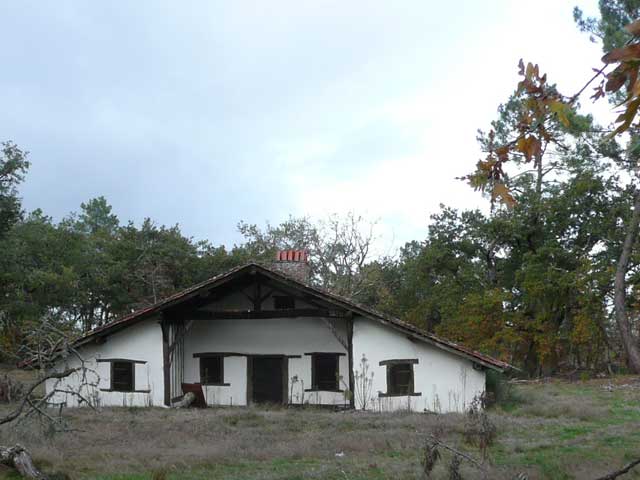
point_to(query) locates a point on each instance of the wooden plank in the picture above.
(340, 354)
(124, 391)
(410, 361)
(352, 400)
(386, 395)
(105, 360)
(166, 360)
(238, 354)
(263, 314)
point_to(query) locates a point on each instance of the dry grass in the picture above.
(555, 430)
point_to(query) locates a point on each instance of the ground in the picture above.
(554, 430)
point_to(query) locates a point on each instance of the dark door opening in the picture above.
(267, 379)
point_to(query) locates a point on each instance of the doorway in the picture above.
(267, 379)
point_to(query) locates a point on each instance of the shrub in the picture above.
(479, 430)
(10, 390)
(159, 475)
(500, 391)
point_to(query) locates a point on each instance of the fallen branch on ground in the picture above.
(187, 400)
(19, 458)
(468, 458)
(622, 471)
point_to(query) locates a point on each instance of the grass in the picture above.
(555, 430)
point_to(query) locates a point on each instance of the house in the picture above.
(262, 334)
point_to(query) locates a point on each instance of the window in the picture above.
(211, 370)
(122, 376)
(282, 302)
(399, 377)
(324, 371)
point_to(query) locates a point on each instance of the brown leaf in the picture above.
(530, 147)
(501, 191)
(616, 79)
(633, 28)
(626, 117)
(623, 54)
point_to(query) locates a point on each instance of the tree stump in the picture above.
(187, 400)
(19, 458)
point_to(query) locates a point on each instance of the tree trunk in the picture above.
(620, 294)
(19, 458)
(186, 401)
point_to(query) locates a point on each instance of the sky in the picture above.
(207, 113)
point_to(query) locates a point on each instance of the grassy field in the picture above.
(553, 430)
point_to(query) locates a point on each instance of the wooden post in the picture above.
(166, 359)
(257, 298)
(352, 400)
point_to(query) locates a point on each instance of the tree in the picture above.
(618, 30)
(339, 248)
(13, 167)
(37, 277)
(545, 116)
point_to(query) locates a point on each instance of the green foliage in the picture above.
(13, 167)
(500, 392)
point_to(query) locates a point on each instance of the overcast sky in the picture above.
(207, 113)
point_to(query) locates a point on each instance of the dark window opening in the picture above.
(122, 376)
(324, 371)
(282, 302)
(400, 379)
(211, 371)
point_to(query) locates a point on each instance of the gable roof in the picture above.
(332, 298)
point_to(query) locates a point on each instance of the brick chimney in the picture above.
(294, 264)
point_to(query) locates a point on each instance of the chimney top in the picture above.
(292, 256)
(293, 263)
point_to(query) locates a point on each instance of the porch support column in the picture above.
(352, 400)
(166, 359)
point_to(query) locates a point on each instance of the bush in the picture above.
(479, 430)
(10, 390)
(500, 391)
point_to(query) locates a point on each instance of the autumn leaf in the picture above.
(623, 54)
(501, 191)
(633, 28)
(529, 146)
(626, 117)
(560, 109)
(617, 78)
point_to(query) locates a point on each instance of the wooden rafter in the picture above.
(262, 314)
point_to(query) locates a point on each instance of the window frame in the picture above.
(314, 373)
(132, 366)
(111, 361)
(208, 356)
(390, 366)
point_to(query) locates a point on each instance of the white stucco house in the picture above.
(262, 334)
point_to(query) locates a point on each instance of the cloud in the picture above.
(210, 112)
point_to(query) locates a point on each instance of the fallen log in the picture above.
(620, 472)
(186, 400)
(19, 458)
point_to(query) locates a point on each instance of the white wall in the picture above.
(447, 382)
(279, 336)
(139, 342)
